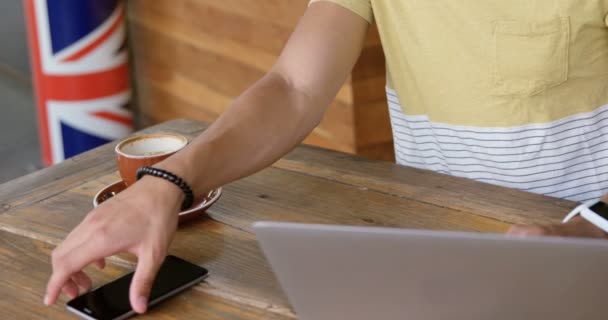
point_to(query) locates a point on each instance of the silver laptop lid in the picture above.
(341, 272)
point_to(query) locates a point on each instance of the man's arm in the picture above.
(263, 124)
(281, 109)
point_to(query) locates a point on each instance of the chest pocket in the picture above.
(530, 57)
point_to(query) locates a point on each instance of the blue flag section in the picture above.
(80, 141)
(72, 20)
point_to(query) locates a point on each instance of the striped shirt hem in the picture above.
(567, 158)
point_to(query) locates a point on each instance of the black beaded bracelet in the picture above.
(179, 182)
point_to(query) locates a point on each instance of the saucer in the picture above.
(198, 207)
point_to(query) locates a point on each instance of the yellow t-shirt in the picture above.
(508, 92)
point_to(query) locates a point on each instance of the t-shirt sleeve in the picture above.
(360, 7)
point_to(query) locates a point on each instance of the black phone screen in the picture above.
(111, 301)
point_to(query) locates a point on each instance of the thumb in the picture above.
(143, 279)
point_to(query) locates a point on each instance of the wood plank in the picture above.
(309, 185)
(146, 27)
(180, 31)
(25, 268)
(182, 88)
(373, 36)
(167, 92)
(279, 12)
(381, 151)
(322, 139)
(369, 89)
(260, 197)
(500, 203)
(263, 196)
(202, 17)
(370, 64)
(218, 72)
(162, 104)
(336, 125)
(373, 124)
(226, 244)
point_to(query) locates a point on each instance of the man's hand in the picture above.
(577, 227)
(262, 125)
(141, 220)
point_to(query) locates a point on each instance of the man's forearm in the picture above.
(263, 124)
(276, 113)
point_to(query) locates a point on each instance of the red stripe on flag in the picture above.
(33, 38)
(126, 120)
(87, 86)
(86, 50)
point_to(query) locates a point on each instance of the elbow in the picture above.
(307, 106)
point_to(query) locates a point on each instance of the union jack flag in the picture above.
(81, 74)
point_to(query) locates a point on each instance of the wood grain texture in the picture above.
(225, 244)
(193, 57)
(495, 202)
(309, 185)
(25, 268)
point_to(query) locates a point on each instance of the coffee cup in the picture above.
(145, 150)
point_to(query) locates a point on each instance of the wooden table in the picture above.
(309, 185)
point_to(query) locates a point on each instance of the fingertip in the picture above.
(141, 304)
(139, 300)
(143, 279)
(50, 299)
(51, 295)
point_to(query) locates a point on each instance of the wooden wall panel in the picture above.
(372, 125)
(193, 57)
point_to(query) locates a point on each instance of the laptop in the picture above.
(346, 272)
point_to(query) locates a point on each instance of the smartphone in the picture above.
(111, 301)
